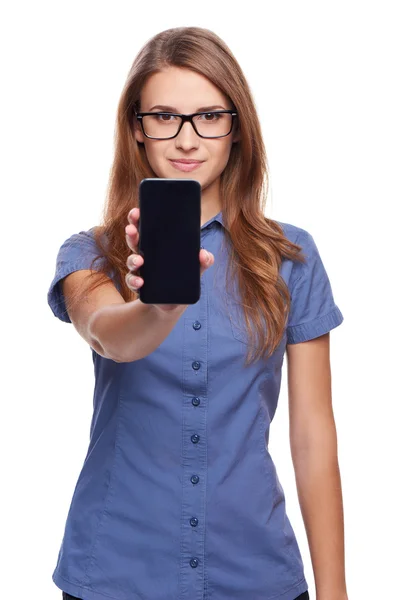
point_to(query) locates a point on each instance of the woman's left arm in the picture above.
(313, 444)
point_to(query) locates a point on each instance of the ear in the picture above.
(137, 129)
(138, 132)
(236, 137)
(236, 133)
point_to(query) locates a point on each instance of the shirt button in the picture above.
(194, 522)
(194, 562)
(194, 479)
(195, 438)
(195, 401)
(196, 365)
(196, 325)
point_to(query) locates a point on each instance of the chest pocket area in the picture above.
(239, 333)
(238, 323)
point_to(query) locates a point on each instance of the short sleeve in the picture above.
(75, 254)
(313, 310)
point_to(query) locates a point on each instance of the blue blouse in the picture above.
(178, 497)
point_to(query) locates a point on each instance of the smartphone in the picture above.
(169, 240)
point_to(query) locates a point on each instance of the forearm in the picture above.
(320, 498)
(130, 331)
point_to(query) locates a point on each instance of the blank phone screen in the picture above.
(169, 240)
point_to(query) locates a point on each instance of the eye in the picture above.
(166, 117)
(214, 116)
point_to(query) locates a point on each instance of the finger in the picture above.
(133, 282)
(206, 259)
(134, 261)
(132, 237)
(134, 216)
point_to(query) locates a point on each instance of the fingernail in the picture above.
(133, 281)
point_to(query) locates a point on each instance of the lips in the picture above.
(186, 165)
(186, 161)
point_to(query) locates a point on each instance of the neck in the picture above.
(210, 202)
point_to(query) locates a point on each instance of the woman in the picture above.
(178, 496)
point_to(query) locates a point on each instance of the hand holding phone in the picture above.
(135, 260)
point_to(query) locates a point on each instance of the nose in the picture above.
(187, 137)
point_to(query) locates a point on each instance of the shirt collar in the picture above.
(218, 217)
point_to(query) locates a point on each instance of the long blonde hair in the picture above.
(257, 245)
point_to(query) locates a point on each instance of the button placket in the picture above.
(194, 444)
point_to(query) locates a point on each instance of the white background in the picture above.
(325, 78)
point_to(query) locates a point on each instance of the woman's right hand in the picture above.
(135, 260)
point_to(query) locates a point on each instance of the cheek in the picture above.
(154, 156)
(222, 157)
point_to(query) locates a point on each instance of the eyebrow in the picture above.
(173, 109)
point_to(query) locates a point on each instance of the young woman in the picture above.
(178, 497)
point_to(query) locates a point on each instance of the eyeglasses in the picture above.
(165, 125)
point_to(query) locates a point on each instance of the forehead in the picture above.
(181, 88)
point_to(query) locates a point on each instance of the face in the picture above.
(185, 91)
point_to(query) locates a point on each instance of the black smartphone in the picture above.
(169, 240)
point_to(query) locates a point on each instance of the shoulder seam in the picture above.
(304, 233)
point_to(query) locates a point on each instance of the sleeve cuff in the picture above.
(55, 296)
(313, 329)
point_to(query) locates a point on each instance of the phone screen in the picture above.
(169, 240)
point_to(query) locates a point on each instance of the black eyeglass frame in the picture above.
(185, 118)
